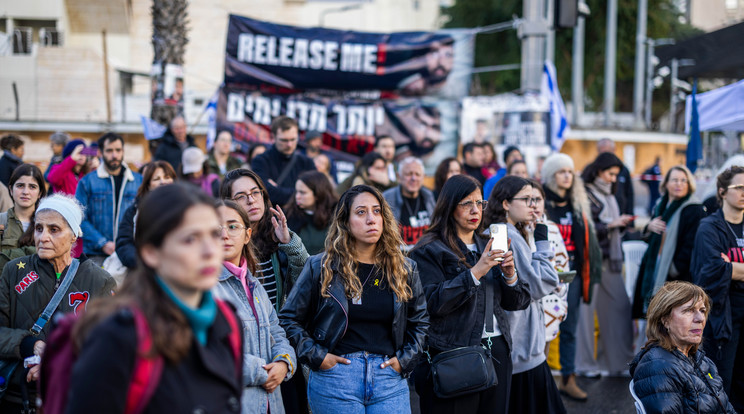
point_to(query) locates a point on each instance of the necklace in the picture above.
(408, 206)
(739, 240)
(358, 299)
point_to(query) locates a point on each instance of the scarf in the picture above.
(201, 318)
(603, 191)
(553, 196)
(240, 272)
(652, 275)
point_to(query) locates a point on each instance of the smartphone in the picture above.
(567, 277)
(499, 237)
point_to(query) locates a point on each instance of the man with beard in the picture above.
(438, 63)
(106, 193)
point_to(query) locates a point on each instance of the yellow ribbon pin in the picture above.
(377, 282)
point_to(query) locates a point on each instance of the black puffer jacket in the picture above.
(315, 324)
(456, 305)
(670, 382)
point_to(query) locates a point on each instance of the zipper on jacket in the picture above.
(346, 314)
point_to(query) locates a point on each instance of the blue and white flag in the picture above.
(558, 121)
(151, 129)
(211, 111)
(694, 151)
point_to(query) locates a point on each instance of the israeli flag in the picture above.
(211, 110)
(558, 122)
(151, 129)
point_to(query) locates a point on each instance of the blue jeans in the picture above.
(361, 387)
(567, 349)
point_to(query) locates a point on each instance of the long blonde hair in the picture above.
(340, 247)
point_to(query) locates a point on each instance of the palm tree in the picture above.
(169, 39)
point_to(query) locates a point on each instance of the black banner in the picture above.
(288, 59)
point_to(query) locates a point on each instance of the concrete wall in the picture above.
(711, 15)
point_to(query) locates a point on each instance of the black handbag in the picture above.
(462, 371)
(467, 369)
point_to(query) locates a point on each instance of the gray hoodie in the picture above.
(528, 325)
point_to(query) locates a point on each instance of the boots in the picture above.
(569, 388)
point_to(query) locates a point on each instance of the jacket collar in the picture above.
(101, 172)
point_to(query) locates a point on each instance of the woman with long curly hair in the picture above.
(310, 209)
(357, 315)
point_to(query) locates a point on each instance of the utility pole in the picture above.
(577, 71)
(640, 62)
(532, 31)
(610, 61)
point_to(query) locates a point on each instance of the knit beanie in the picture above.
(70, 146)
(553, 164)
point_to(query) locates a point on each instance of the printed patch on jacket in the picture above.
(27, 280)
(77, 299)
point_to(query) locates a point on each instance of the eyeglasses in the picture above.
(527, 200)
(679, 181)
(468, 205)
(232, 229)
(737, 187)
(243, 197)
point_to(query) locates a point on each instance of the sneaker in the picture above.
(568, 387)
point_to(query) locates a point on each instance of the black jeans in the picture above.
(491, 400)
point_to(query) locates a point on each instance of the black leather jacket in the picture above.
(456, 305)
(315, 324)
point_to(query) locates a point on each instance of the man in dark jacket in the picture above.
(411, 202)
(173, 143)
(281, 165)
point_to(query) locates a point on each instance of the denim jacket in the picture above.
(264, 342)
(95, 192)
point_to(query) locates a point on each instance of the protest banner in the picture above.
(289, 59)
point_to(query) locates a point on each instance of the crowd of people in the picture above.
(208, 283)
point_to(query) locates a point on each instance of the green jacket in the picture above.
(9, 248)
(232, 163)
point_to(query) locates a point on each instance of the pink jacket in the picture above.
(62, 178)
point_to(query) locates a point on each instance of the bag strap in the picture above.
(56, 299)
(488, 279)
(287, 169)
(235, 331)
(147, 369)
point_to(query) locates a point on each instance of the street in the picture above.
(606, 396)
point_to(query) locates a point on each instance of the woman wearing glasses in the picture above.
(610, 299)
(280, 255)
(268, 358)
(512, 203)
(718, 267)
(567, 205)
(670, 235)
(457, 268)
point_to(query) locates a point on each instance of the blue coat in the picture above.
(670, 382)
(101, 220)
(264, 341)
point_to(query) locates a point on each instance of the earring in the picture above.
(507, 215)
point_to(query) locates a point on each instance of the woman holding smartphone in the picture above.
(458, 267)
